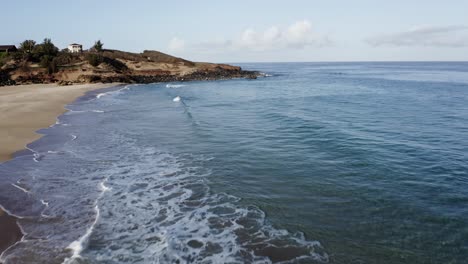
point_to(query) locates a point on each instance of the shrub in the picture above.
(94, 59)
(50, 63)
(3, 58)
(64, 57)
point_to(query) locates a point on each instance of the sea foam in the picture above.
(174, 85)
(180, 219)
(125, 88)
(80, 244)
(77, 246)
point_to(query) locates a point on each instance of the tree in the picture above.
(45, 54)
(27, 46)
(48, 48)
(98, 45)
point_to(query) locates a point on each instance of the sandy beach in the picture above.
(25, 109)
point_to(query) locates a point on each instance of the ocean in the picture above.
(312, 163)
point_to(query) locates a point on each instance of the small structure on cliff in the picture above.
(7, 48)
(75, 48)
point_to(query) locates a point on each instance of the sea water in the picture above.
(312, 163)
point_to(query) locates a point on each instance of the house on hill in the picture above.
(75, 48)
(7, 48)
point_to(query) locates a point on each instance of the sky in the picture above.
(251, 31)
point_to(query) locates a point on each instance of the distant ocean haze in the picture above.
(314, 163)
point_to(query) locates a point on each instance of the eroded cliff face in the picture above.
(119, 66)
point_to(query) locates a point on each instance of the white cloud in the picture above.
(300, 34)
(176, 45)
(272, 34)
(448, 36)
(297, 36)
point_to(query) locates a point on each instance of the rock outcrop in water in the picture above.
(117, 66)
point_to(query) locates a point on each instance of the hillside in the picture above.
(112, 66)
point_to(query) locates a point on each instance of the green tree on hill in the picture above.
(47, 48)
(45, 54)
(98, 45)
(27, 46)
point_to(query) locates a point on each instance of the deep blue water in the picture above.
(317, 163)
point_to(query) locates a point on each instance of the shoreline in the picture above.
(26, 109)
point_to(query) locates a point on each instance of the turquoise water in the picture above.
(315, 163)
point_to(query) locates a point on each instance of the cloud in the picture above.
(448, 36)
(176, 45)
(297, 36)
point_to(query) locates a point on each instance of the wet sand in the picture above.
(9, 231)
(25, 109)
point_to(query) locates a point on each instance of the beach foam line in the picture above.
(126, 87)
(20, 188)
(174, 85)
(70, 111)
(78, 246)
(57, 122)
(36, 156)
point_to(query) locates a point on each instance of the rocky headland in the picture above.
(108, 66)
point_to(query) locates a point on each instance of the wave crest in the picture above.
(174, 85)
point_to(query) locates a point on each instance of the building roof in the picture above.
(75, 44)
(8, 47)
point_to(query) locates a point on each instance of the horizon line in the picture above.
(357, 61)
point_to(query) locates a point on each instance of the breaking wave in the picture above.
(113, 92)
(174, 85)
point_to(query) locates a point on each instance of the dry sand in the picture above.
(23, 110)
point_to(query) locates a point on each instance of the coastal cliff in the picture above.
(114, 66)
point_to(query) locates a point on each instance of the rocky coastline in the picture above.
(148, 78)
(118, 66)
